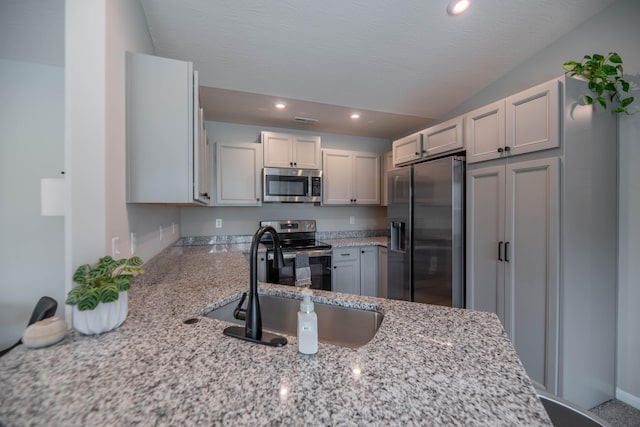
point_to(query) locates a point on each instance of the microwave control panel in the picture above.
(316, 186)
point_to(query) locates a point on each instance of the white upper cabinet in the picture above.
(522, 123)
(238, 174)
(443, 138)
(532, 118)
(350, 178)
(164, 132)
(485, 132)
(283, 150)
(446, 137)
(387, 165)
(407, 149)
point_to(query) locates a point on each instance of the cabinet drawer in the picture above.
(345, 254)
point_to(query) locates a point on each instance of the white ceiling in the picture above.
(402, 64)
(405, 57)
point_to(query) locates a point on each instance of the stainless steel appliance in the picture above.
(291, 185)
(426, 239)
(297, 237)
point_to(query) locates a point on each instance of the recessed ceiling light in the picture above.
(456, 7)
(355, 116)
(281, 105)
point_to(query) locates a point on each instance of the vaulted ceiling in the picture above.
(400, 64)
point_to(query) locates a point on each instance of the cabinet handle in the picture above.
(347, 254)
(257, 199)
(291, 164)
(417, 154)
(506, 251)
(335, 266)
(500, 149)
(424, 151)
(361, 252)
(507, 148)
(295, 163)
(500, 250)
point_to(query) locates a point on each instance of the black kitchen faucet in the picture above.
(252, 330)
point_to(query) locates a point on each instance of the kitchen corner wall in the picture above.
(615, 29)
(200, 221)
(31, 147)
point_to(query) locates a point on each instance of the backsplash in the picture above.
(237, 238)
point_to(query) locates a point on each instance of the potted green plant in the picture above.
(604, 75)
(100, 301)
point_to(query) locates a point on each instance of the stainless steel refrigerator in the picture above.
(426, 232)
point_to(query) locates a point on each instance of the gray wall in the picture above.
(31, 147)
(199, 221)
(615, 29)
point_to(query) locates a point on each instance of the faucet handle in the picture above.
(239, 312)
(278, 258)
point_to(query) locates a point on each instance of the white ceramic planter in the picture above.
(105, 317)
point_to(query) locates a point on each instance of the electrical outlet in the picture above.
(132, 242)
(352, 219)
(115, 247)
(161, 232)
(218, 223)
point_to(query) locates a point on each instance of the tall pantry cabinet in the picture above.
(542, 236)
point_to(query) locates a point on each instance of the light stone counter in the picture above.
(427, 365)
(357, 241)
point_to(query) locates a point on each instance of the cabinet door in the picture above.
(160, 129)
(337, 177)
(366, 178)
(382, 272)
(531, 264)
(238, 174)
(345, 275)
(485, 133)
(532, 119)
(202, 163)
(278, 150)
(387, 165)
(485, 241)
(407, 149)
(306, 152)
(443, 138)
(369, 271)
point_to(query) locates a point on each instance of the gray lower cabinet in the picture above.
(345, 275)
(541, 251)
(512, 260)
(355, 270)
(369, 271)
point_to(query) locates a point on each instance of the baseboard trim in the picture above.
(628, 398)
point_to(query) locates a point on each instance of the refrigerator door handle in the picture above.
(506, 252)
(397, 236)
(500, 250)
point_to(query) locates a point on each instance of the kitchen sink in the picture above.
(338, 325)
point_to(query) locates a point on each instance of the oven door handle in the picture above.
(312, 254)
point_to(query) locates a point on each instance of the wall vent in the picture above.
(305, 120)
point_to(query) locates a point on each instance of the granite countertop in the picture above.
(357, 241)
(427, 365)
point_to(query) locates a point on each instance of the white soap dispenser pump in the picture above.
(307, 325)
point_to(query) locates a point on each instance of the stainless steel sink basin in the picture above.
(343, 326)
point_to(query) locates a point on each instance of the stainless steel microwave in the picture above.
(291, 185)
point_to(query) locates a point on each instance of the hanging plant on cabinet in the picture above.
(604, 75)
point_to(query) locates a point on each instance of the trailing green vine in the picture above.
(604, 75)
(103, 282)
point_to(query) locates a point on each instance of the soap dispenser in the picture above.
(307, 325)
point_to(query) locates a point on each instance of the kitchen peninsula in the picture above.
(427, 365)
